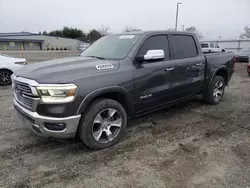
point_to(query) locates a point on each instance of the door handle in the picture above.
(198, 64)
(169, 68)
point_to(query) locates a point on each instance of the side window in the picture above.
(159, 42)
(211, 45)
(184, 46)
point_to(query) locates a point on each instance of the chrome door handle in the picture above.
(169, 68)
(198, 64)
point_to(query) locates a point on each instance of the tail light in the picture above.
(21, 63)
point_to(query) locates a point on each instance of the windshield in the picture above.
(205, 45)
(245, 50)
(111, 47)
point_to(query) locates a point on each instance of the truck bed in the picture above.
(215, 61)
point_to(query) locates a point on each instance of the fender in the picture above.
(223, 67)
(92, 95)
(9, 69)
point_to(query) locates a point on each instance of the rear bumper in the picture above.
(36, 123)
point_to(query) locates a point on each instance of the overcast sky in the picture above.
(213, 18)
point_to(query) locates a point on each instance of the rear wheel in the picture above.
(102, 124)
(5, 77)
(214, 93)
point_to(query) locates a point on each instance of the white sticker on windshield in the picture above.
(126, 37)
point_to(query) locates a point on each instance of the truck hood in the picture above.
(66, 70)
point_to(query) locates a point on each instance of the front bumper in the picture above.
(36, 123)
(242, 59)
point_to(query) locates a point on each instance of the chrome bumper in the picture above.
(35, 122)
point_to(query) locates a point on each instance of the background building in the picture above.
(29, 41)
(233, 45)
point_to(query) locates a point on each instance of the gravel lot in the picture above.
(188, 145)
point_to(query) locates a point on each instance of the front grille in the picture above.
(23, 94)
(23, 87)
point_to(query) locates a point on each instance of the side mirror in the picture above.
(152, 55)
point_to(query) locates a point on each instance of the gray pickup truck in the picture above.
(118, 77)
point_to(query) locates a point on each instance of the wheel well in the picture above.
(7, 70)
(223, 74)
(119, 97)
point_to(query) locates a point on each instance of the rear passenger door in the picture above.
(189, 69)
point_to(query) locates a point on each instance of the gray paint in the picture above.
(130, 78)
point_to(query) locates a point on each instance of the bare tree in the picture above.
(193, 29)
(93, 35)
(130, 29)
(104, 30)
(246, 33)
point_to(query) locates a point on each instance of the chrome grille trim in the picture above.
(25, 92)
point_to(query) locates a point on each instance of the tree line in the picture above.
(95, 34)
(91, 36)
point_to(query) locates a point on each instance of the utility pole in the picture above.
(177, 12)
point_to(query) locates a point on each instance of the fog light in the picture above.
(54, 126)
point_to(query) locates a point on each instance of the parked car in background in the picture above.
(118, 77)
(243, 55)
(208, 47)
(8, 65)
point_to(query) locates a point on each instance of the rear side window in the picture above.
(159, 42)
(212, 45)
(184, 46)
(205, 45)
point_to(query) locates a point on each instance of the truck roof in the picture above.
(154, 32)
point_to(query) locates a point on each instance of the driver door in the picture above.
(153, 79)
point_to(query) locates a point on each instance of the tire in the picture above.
(215, 92)
(5, 78)
(249, 74)
(223, 50)
(100, 111)
(209, 51)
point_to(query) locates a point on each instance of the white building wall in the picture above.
(232, 45)
(52, 42)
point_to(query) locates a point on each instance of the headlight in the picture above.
(57, 93)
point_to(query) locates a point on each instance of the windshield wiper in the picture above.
(101, 58)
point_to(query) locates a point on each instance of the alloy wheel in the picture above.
(5, 78)
(218, 90)
(106, 125)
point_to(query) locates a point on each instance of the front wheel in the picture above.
(5, 77)
(214, 93)
(103, 124)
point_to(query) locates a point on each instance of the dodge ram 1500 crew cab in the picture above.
(118, 77)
